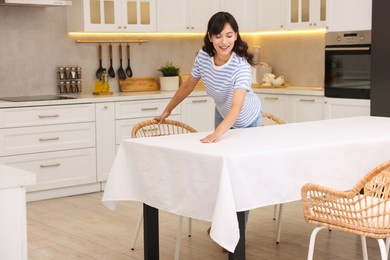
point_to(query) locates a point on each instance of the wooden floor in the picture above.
(80, 227)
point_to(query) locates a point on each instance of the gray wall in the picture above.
(34, 41)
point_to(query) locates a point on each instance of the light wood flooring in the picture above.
(80, 227)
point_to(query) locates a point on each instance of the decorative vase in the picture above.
(169, 83)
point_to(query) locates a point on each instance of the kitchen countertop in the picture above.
(11, 177)
(147, 95)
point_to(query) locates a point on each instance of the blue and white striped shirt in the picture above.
(221, 81)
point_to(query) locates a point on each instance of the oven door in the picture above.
(348, 71)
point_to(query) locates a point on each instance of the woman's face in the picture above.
(224, 42)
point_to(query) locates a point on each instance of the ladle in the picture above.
(121, 72)
(111, 71)
(100, 69)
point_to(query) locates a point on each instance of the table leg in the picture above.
(239, 253)
(151, 243)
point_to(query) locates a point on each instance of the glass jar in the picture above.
(78, 71)
(61, 73)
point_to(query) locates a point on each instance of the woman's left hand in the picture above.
(211, 138)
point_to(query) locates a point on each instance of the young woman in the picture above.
(224, 64)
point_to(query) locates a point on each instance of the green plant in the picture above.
(169, 70)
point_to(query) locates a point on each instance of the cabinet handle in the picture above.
(199, 101)
(46, 116)
(187, 27)
(307, 100)
(272, 98)
(149, 108)
(124, 27)
(49, 139)
(315, 24)
(310, 24)
(105, 107)
(192, 27)
(119, 27)
(281, 26)
(50, 165)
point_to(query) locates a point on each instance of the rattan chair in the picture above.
(151, 128)
(364, 211)
(268, 119)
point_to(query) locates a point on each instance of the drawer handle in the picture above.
(272, 98)
(199, 101)
(47, 116)
(307, 100)
(149, 108)
(49, 139)
(50, 165)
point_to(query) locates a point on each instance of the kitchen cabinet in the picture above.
(199, 112)
(112, 16)
(306, 108)
(348, 15)
(129, 113)
(243, 11)
(344, 107)
(277, 105)
(269, 15)
(57, 143)
(105, 139)
(185, 15)
(305, 14)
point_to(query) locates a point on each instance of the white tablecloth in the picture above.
(247, 169)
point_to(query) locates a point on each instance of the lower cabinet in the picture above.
(199, 112)
(345, 107)
(306, 108)
(277, 105)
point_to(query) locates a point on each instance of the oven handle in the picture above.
(347, 48)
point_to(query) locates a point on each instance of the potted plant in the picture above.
(170, 78)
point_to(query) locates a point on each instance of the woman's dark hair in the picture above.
(215, 26)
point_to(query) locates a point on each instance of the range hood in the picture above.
(37, 3)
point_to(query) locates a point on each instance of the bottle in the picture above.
(105, 86)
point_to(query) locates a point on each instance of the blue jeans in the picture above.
(217, 120)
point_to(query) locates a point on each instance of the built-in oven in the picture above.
(348, 64)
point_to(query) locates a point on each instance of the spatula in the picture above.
(121, 72)
(100, 69)
(111, 71)
(129, 72)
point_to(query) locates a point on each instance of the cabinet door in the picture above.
(270, 15)
(101, 15)
(201, 12)
(105, 139)
(305, 13)
(172, 15)
(243, 12)
(346, 15)
(199, 112)
(306, 108)
(277, 105)
(138, 15)
(344, 107)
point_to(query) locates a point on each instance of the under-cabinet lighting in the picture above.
(87, 34)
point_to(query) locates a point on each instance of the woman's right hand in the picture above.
(164, 115)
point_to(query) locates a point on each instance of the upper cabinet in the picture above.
(349, 15)
(243, 12)
(305, 13)
(112, 16)
(185, 15)
(269, 15)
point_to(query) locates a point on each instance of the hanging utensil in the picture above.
(111, 71)
(121, 72)
(129, 72)
(100, 69)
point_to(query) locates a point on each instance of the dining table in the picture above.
(246, 169)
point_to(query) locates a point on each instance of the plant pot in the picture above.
(169, 83)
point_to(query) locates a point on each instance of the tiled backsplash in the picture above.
(34, 41)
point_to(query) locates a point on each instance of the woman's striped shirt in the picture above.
(221, 81)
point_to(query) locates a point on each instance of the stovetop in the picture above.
(35, 98)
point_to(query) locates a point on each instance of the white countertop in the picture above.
(147, 95)
(11, 177)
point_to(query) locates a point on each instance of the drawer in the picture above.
(124, 127)
(46, 138)
(46, 115)
(137, 109)
(57, 169)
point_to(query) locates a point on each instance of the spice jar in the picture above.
(61, 73)
(73, 86)
(73, 74)
(78, 71)
(67, 87)
(79, 86)
(61, 87)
